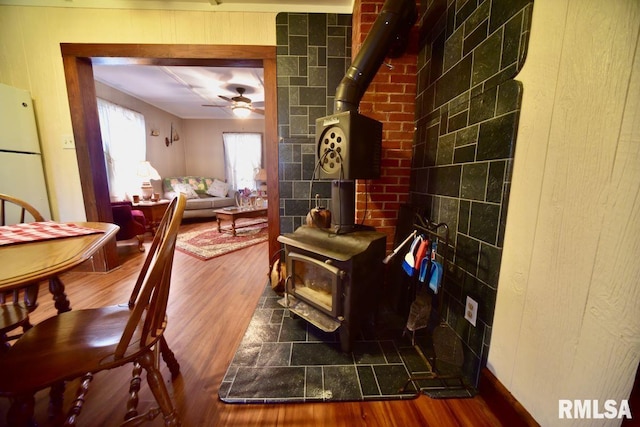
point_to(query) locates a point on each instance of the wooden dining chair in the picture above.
(14, 313)
(81, 343)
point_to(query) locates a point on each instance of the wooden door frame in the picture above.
(78, 59)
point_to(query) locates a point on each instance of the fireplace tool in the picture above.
(399, 247)
(420, 309)
(444, 370)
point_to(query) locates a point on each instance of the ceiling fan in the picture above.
(241, 105)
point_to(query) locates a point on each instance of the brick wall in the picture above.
(389, 99)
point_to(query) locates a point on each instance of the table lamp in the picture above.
(147, 173)
(260, 176)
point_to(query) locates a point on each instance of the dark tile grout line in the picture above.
(262, 317)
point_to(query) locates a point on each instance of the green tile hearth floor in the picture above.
(286, 359)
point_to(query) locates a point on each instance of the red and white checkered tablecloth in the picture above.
(34, 231)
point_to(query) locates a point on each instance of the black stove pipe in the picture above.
(388, 36)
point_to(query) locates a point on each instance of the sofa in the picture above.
(204, 194)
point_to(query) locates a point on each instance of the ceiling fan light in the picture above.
(241, 111)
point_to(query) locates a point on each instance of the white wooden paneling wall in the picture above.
(567, 322)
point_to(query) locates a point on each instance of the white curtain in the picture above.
(125, 145)
(242, 155)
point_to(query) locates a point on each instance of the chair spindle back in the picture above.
(151, 291)
(10, 204)
(24, 208)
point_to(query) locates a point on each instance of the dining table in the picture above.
(44, 257)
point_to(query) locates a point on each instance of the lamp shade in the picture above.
(260, 175)
(146, 171)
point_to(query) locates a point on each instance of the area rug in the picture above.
(205, 242)
(286, 359)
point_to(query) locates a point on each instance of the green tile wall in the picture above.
(468, 105)
(313, 54)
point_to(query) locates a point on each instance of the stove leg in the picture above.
(345, 338)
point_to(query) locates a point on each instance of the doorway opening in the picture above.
(78, 60)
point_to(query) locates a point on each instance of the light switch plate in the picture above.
(471, 310)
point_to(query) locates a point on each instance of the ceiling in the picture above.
(182, 91)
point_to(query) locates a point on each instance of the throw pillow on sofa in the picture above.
(197, 183)
(186, 189)
(218, 188)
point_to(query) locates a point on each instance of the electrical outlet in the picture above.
(471, 310)
(68, 143)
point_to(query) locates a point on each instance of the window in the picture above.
(242, 156)
(124, 144)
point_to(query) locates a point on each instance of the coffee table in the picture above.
(234, 213)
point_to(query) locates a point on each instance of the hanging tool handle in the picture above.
(397, 249)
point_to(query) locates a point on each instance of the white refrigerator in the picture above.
(21, 171)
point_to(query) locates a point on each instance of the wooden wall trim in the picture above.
(249, 55)
(271, 138)
(78, 59)
(90, 157)
(502, 403)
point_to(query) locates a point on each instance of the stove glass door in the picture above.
(314, 281)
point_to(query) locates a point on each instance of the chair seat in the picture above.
(75, 343)
(12, 315)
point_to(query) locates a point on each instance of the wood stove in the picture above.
(334, 280)
(335, 275)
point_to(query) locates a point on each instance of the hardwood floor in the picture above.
(210, 307)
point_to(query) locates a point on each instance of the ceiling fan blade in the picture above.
(258, 110)
(225, 98)
(213, 105)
